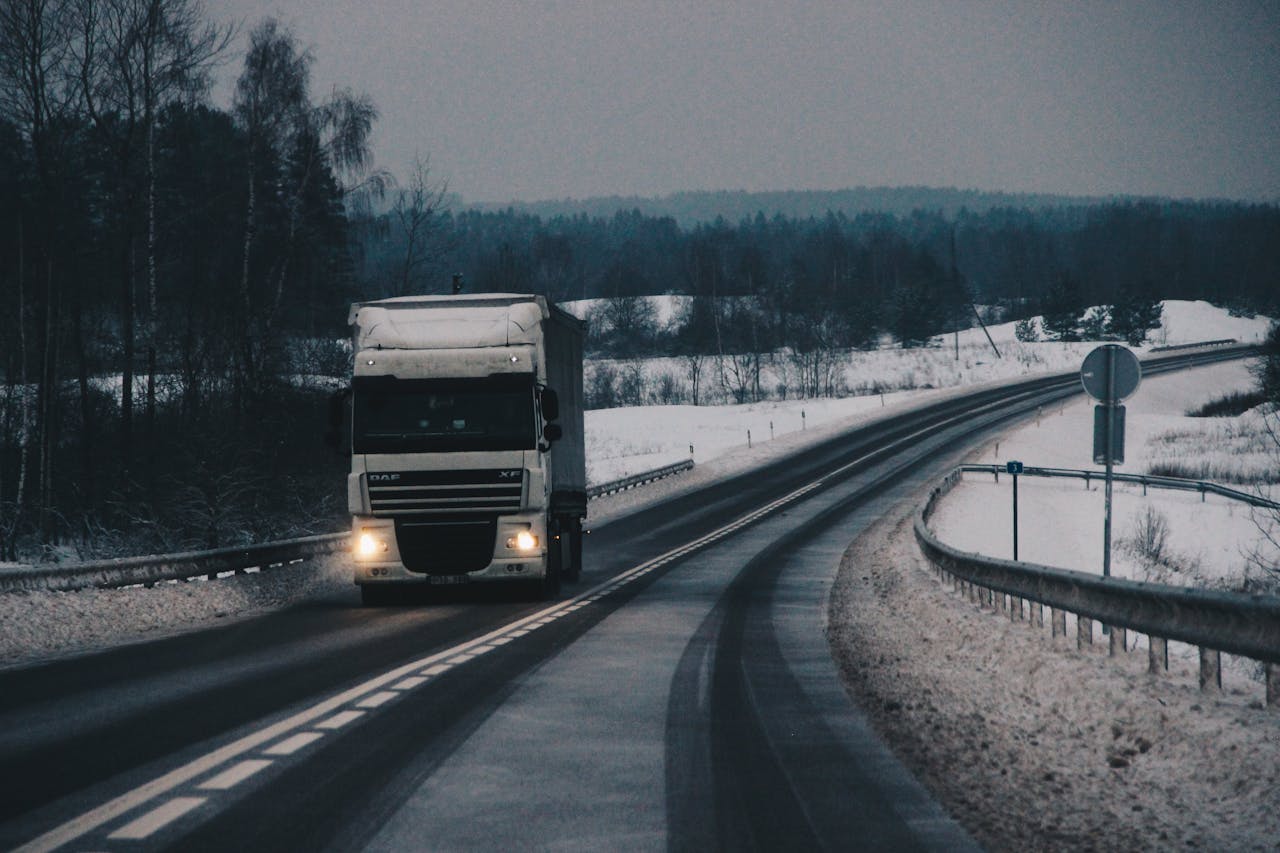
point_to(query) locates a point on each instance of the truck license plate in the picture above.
(447, 580)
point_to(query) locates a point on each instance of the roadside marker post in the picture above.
(1014, 468)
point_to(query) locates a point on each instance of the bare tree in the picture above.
(133, 57)
(270, 102)
(174, 50)
(694, 361)
(273, 106)
(1266, 554)
(333, 135)
(35, 51)
(416, 207)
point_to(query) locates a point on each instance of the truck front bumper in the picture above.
(377, 557)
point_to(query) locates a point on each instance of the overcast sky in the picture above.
(549, 100)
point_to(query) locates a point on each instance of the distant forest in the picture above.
(849, 277)
(697, 208)
(175, 276)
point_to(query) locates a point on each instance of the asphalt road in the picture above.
(681, 696)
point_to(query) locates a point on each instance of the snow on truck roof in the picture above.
(448, 322)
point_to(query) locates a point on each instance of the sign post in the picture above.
(1014, 468)
(1110, 374)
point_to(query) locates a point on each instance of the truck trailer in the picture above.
(467, 447)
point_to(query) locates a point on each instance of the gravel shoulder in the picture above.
(1033, 745)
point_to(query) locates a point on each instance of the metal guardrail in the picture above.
(639, 479)
(190, 565)
(201, 565)
(1219, 343)
(1204, 487)
(1216, 621)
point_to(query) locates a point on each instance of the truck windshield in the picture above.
(439, 415)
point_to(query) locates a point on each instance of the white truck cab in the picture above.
(467, 455)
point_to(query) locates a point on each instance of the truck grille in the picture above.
(446, 547)
(421, 493)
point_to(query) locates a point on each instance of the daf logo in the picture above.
(383, 478)
(513, 474)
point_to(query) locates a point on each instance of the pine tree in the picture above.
(1062, 309)
(1135, 313)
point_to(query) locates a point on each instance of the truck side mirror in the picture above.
(550, 404)
(552, 432)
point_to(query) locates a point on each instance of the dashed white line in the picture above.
(235, 774)
(156, 819)
(339, 720)
(410, 683)
(363, 695)
(290, 745)
(382, 697)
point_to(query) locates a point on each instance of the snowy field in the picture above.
(1061, 521)
(627, 440)
(1166, 537)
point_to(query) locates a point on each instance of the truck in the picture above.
(467, 449)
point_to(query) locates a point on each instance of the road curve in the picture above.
(686, 699)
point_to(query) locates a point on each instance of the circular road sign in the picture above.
(1125, 368)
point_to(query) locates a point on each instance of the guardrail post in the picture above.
(1210, 669)
(1157, 655)
(1037, 614)
(1273, 685)
(1000, 602)
(1084, 632)
(1015, 608)
(1119, 641)
(1058, 620)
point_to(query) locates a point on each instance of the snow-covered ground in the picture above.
(1061, 521)
(1033, 745)
(1164, 536)
(627, 440)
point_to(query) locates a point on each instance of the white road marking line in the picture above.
(436, 670)
(157, 819)
(377, 699)
(290, 745)
(458, 659)
(409, 683)
(339, 720)
(234, 775)
(501, 641)
(108, 811)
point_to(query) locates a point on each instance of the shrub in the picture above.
(602, 392)
(1235, 403)
(1150, 536)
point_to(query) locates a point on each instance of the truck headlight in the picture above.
(370, 544)
(522, 541)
